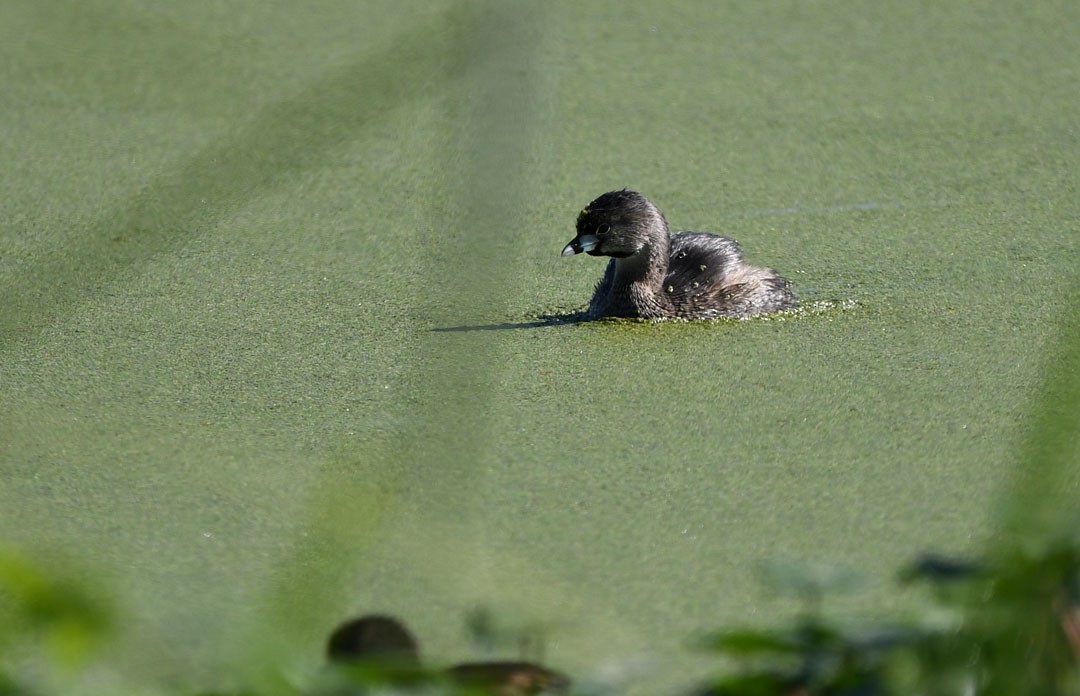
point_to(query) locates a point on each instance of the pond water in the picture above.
(275, 283)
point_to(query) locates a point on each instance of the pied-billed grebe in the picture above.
(654, 274)
(384, 640)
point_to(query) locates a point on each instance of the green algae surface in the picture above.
(272, 280)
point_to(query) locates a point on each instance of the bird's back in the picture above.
(707, 278)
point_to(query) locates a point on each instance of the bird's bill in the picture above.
(580, 243)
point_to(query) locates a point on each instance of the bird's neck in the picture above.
(649, 266)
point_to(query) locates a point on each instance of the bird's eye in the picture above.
(603, 228)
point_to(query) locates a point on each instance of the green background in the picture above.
(270, 274)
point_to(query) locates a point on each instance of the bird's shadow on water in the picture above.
(540, 322)
(807, 307)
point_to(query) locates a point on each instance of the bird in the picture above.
(654, 274)
(379, 639)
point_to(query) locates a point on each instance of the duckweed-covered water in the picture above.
(272, 286)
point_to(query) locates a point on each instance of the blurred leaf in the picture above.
(811, 580)
(883, 638)
(816, 636)
(752, 642)
(755, 684)
(71, 621)
(940, 569)
(1041, 506)
(1021, 625)
(10, 688)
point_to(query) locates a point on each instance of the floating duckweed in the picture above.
(805, 309)
(703, 267)
(671, 288)
(696, 284)
(817, 308)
